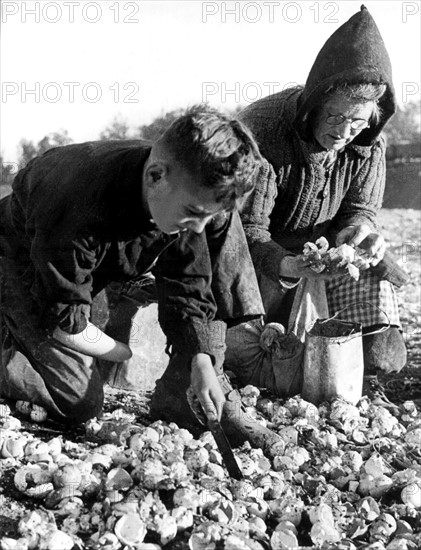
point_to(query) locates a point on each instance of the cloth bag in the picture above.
(310, 303)
(265, 356)
(268, 356)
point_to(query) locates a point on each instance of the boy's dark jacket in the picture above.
(75, 222)
(299, 198)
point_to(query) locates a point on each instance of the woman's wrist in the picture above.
(288, 276)
(288, 268)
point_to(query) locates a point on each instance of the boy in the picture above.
(84, 215)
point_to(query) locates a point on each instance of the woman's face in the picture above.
(336, 135)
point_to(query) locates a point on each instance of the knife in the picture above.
(218, 434)
(225, 449)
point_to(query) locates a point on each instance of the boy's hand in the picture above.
(206, 386)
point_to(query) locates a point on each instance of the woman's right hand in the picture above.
(297, 267)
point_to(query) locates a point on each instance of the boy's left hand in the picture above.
(206, 386)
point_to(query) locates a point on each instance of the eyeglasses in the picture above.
(356, 123)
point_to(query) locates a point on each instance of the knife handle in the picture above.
(196, 407)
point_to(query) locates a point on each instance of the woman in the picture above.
(325, 176)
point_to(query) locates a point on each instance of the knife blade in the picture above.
(225, 449)
(218, 434)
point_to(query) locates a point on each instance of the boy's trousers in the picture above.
(34, 366)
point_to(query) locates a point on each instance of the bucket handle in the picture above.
(378, 331)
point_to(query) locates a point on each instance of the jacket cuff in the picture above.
(289, 282)
(199, 337)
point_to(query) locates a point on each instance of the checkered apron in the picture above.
(343, 292)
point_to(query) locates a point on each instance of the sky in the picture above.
(76, 65)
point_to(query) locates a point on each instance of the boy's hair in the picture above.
(363, 92)
(216, 148)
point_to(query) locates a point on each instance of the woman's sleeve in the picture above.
(365, 195)
(266, 253)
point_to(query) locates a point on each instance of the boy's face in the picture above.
(176, 200)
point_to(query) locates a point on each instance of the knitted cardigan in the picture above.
(297, 197)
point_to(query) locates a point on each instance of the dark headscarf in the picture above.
(355, 53)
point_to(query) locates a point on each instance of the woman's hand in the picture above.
(297, 267)
(364, 237)
(206, 386)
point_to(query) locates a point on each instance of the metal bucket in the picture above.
(334, 360)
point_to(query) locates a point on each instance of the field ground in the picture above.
(402, 229)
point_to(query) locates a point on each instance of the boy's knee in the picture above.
(78, 409)
(77, 390)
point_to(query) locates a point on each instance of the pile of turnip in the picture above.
(345, 477)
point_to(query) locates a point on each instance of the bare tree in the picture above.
(155, 130)
(118, 129)
(29, 150)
